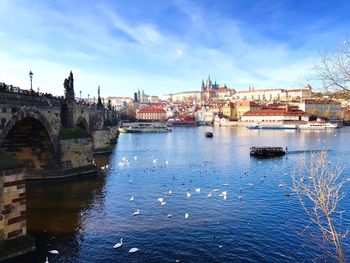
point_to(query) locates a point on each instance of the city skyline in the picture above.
(166, 46)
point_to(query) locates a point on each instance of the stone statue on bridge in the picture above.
(69, 87)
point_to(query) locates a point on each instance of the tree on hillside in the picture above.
(334, 69)
(318, 186)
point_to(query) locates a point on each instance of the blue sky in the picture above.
(164, 46)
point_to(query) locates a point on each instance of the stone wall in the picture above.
(76, 152)
(101, 139)
(12, 204)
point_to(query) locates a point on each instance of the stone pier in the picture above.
(14, 240)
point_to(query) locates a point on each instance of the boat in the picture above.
(208, 134)
(273, 127)
(143, 127)
(264, 152)
(179, 123)
(318, 126)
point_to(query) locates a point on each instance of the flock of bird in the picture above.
(223, 194)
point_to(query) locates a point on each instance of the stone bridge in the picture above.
(54, 133)
(44, 137)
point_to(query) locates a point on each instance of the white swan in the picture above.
(161, 199)
(198, 190)
(133, 250)
(54, 251)
(186, 215)
(209, 195)
(137, 213)
(118, 245)
(170, 192)
(162, 203)
(47, 260)
(188, 194)
(132, 199)
(169, 215)
(166, 162)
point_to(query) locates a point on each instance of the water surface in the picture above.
(84, 218)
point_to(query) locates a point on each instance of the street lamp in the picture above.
(31, 80)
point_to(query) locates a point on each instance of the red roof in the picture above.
(275, 112)
(151, 110)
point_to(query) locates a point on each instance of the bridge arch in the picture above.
(82, 124)
(29, 134)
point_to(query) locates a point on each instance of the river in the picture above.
(84, 218)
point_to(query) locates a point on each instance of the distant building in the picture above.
(229, 110)
(151, 114)
(245, 106)
(323, 108)
(183, 97)
(271, 115)
(274, 94)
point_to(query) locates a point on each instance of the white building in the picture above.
(274, 94)
(271, 115)
(186, 96)
(324, 108)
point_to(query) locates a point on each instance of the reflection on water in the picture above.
(84, 218)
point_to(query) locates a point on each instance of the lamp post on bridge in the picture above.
(80, 95)
(31, 81)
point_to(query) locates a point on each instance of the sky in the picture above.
(167, 46)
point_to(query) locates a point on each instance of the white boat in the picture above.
(273, 127)
(143, 127)
(318, 126)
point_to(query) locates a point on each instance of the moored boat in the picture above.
(142, 127)
(273, 127)
(318, 126)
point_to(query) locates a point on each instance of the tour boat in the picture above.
(141, 127)
(273, 127)
(264, 152)
(318, 126)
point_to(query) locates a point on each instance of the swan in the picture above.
(133, 250)
(186, 215)
(170, 192)
(137, 212)
(118, 245)
(198, 190)
(162, 203)
(169, 215)
(130, 181)
(132, 199)
(216, 190)
(135, 158)
(161, 199)
(47, 260)
(209, 195)
(281, 185)
(54, 251)
(166, 162)
(188, 194)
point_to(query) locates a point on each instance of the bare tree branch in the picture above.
(318, 186)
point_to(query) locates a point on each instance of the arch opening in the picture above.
(82, 124)
(29, 141)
